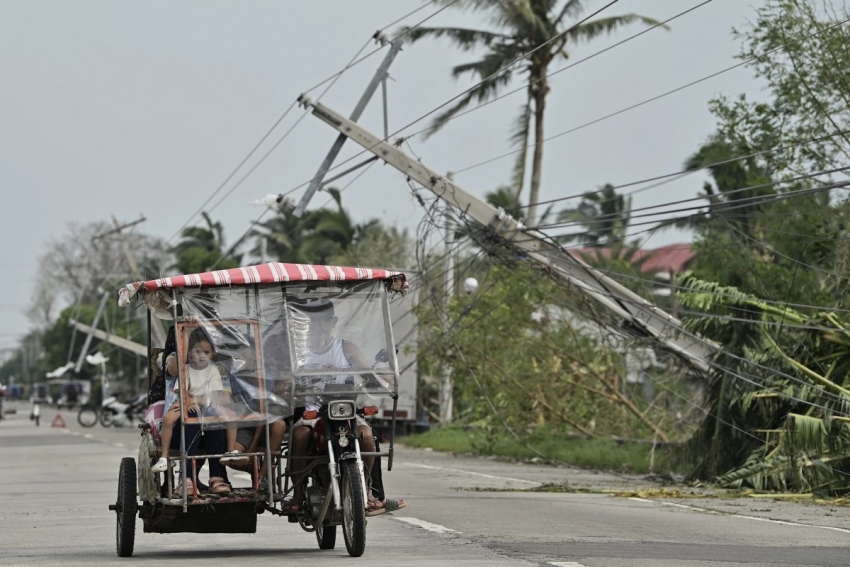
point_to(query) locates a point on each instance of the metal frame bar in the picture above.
(180, 400)
(388, 330)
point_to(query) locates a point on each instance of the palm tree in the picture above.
(737, 184)
(202, 247)
(521, 26)
(314, 238)
(507, 198)
(604, 214)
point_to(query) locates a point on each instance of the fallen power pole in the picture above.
(635, 313)
(120, 342)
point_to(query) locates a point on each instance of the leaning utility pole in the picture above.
(379, 79)
(637, 314)
(85, 350)
(157, 329)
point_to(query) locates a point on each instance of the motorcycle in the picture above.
(342, 481)
(115, 413)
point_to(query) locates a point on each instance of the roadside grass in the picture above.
(600, 454)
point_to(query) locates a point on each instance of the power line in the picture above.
(333, 78)
(377, 37)
(649, 100)
(267, 209)
(669, 177)
(734, 205)
(720, 208)
(561, 70)
(422, 117)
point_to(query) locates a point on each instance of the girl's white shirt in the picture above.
(203, 381)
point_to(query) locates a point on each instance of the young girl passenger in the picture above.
(207, 387)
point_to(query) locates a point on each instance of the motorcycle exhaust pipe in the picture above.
(334, 476)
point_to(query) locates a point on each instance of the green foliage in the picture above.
(59, 343)
(603, 454)
(517, 346)
(777, 399)
(800, 49)
(329, 236)
(605, 216)
(202, 247)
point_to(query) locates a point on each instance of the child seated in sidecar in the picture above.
(208, 390)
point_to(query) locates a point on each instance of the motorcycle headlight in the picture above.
(341, 410)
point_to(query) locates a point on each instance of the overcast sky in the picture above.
(145, 107)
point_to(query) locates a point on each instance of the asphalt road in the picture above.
(58, 482)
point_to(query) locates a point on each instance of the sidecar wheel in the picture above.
(326, 536)
(125, 507)
(353, 510)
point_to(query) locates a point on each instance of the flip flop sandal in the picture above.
(190, 489)
(375, 508)
(391, 505)
(218, 486)
(388, 505)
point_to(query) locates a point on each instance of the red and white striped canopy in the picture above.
(263, 273)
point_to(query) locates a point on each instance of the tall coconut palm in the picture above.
(544, 27)
(314, 238)
(202, 247)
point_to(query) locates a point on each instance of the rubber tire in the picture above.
(125, 527)
(353, 509)
(91, 417)
(107, 418)
(326, 536)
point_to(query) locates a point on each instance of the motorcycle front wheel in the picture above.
(87, 416)
(107, 418)
(353, 509)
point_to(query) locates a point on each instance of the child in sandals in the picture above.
(208, 386)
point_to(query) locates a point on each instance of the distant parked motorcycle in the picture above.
(115, 413)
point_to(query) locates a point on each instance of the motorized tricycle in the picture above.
(257, 347)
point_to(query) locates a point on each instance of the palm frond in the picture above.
(595, 28)
(523, 17)
(481, 93)
(465, 38)
(570, 10)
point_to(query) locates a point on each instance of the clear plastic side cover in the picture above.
(339, 343)
(221, 359)
(257, 353)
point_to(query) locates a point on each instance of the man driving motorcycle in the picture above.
(324, 350)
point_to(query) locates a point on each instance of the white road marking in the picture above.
(119, 445)
(758, 519)
(532, 482)
(636, 499)
(566, 564)
(436, 528)
(75, 433)
(65, 430)
(88, 435)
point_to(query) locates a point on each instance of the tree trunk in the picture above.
(540, 89)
